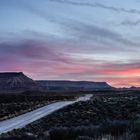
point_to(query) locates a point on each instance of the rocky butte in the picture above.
(19, 82)
(16, 82)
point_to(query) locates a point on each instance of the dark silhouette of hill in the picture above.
(73, 85)
(19, 82)
(16, 81)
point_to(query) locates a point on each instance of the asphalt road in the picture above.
(27, 118)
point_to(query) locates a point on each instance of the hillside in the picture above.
(16, 81)
(73, 85)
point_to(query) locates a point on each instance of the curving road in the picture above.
(27, 118)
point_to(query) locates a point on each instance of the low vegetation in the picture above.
(110, 116)
(15, 104)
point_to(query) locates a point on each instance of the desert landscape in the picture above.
(108, 113)
(69, 70)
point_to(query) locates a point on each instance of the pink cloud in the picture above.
(43, 60)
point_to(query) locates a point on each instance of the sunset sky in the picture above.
(96, 40)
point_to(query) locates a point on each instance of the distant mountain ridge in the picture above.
(16, 81)
(19, 82)
(52, 85)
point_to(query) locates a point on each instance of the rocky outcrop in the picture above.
(73, 85)
(16, 81)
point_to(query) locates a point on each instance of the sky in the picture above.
(92, 40)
